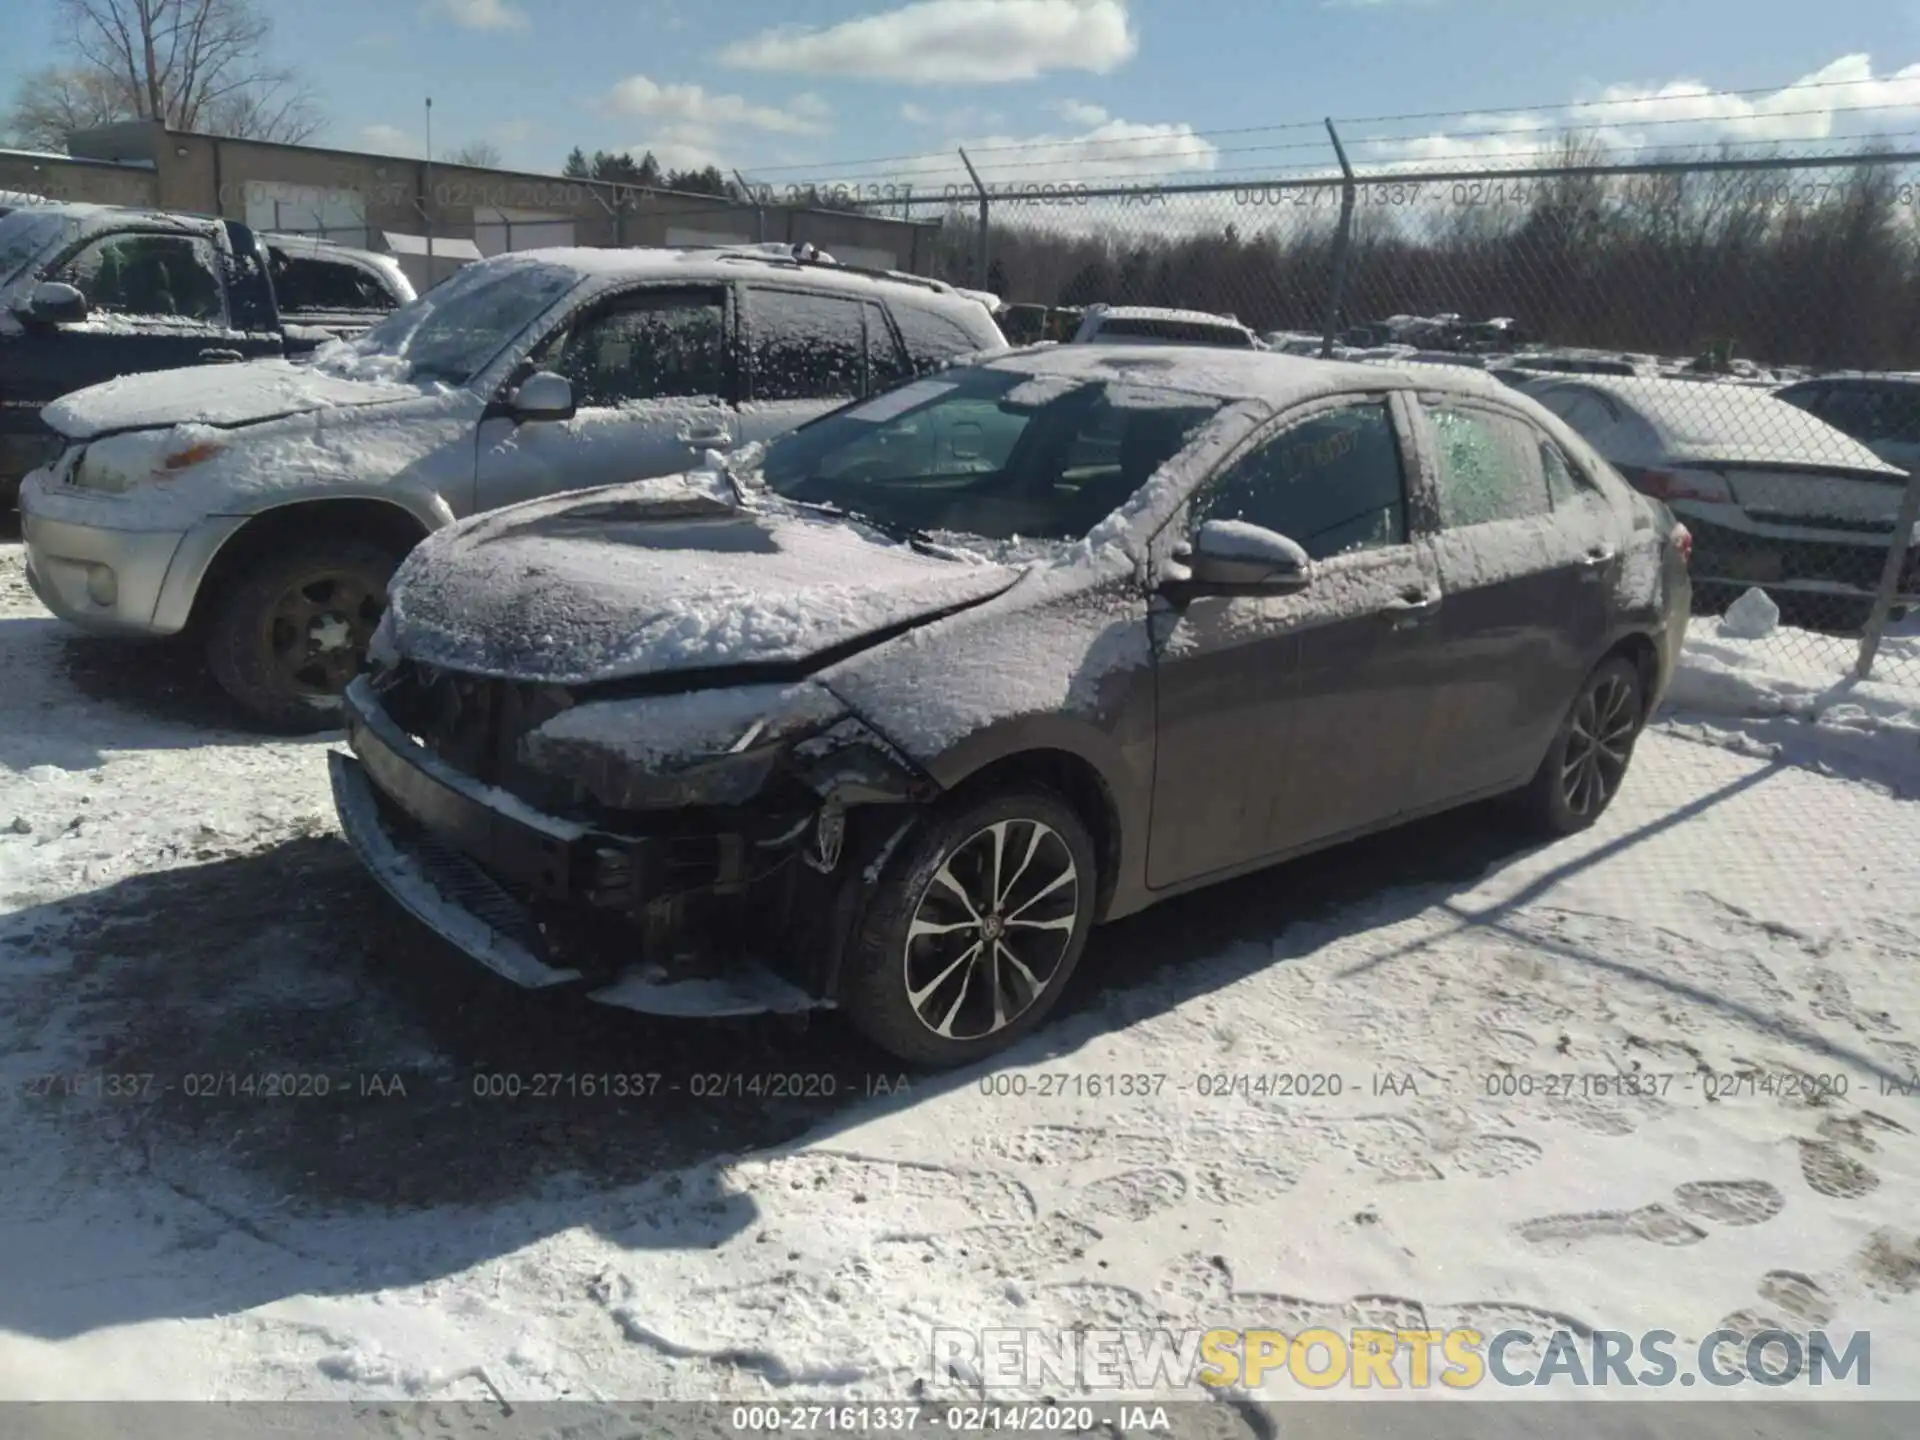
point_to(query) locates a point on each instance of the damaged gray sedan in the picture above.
(888, 715)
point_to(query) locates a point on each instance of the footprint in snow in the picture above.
(1724, 1202)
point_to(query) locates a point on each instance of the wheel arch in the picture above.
(1070, 772)
(381, 519)
(1644, 655)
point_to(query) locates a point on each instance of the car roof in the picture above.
(1905, 378)
(1267, 375)
(1703, 422)
(727, 262)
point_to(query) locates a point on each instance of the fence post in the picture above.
(759, 210)
(1889, 577)
(985, 259)
(1342, 240)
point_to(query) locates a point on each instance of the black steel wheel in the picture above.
(292, 630)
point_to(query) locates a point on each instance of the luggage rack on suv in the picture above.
(806, 256)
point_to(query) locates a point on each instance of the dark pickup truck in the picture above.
(92, 292)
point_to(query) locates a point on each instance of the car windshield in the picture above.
(24, 233)
(995, 453)
(453, 331)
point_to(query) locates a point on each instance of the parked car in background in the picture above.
(1882, 412)
(1583, 362)
(1774, 497)
(1146, 324)
(908, 714)
(91, 292)
(334, 289)
(265, 506)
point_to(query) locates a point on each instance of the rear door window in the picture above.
(806, 346)
(1490, 468)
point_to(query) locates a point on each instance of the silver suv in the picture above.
(265, 505)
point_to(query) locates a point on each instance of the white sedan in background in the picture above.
(1774, 497)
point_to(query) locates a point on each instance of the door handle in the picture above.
(707, 439)
(1597, 556)
(220, 357)
(1411, 608)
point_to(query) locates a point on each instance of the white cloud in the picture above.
(1838, 103)
(692, 127)
(915, 115)
(1078, 112)
(952, 42)
(693, 105)
(1112, 152)
(483, 14)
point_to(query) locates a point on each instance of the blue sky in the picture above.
(793, 90)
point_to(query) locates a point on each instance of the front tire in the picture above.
(1587, 762)
(974, 928)
(290, 631)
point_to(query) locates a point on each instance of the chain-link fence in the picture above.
(1731, 333)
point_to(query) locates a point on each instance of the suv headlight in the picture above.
(116, 464)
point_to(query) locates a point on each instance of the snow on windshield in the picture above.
(453, 331)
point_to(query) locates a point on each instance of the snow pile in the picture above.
(1753, 616)
(1791, 695)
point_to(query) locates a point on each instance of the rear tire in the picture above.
(290, 631)
(1588, 759)
(974, 928)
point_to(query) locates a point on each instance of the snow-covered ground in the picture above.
(174, 904)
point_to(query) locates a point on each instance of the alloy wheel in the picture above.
(1598, 745)
(320, 628)
(991, 929)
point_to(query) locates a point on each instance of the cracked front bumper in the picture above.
(470, 863)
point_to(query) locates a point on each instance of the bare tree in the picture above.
(51, 104)
(481, 154)
(199, 65)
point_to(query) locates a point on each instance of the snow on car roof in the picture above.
(1266, 375)
(1156, 312)
(1691, 421)
(665, 263)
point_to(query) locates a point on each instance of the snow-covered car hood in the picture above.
(222, 395)
(661, 577)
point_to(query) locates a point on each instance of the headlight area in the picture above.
(713, 825)
(118, 463)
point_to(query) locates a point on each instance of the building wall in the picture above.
(237, 178)
(63, 179)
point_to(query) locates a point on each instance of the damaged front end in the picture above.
(686, 851)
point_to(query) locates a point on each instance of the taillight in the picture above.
(1683, 542)
(1673, 485)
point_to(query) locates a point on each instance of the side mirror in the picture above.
(1231, 557)
(543, 396)
(53, 303)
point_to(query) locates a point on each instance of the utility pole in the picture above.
(429, 195)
